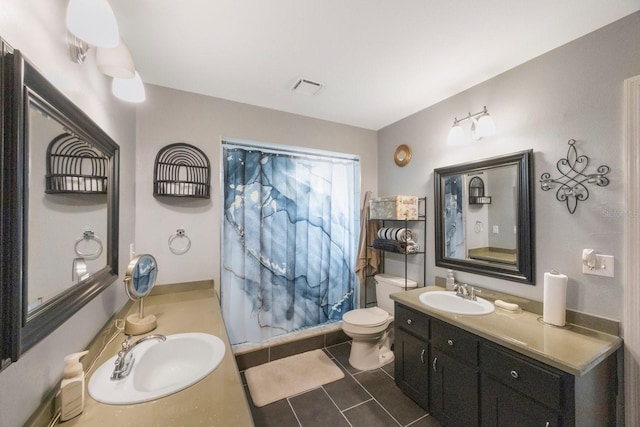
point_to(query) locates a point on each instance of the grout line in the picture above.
(294, 412)
(334, 404)
(388, 374)
(415, 421)
(358, 404)
(376, 400)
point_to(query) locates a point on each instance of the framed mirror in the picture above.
(59, 208)
(484, 217)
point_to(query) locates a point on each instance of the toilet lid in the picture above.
(373, 316)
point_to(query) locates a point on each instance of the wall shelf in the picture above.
(182, 170)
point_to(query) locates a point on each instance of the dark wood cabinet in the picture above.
(504, 407)
(471, 381)
(412, 367)
(453, 391)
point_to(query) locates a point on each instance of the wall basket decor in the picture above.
(74, 166)
(573, 180)
(181, 170)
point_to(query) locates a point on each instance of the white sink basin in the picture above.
(450, 302)
(160, 369)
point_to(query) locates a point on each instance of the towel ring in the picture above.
(86, 236)
(182, 235)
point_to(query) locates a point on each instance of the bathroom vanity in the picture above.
(503, 369)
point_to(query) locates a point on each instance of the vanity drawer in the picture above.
(524, 375)
(456, 342)
(412, 321)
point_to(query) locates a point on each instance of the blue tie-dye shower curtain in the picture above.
(289, 240)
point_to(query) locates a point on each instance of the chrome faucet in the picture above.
(125, 360)
(465, 291)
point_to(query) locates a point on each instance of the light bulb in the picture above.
(93, 21)
(456, 135)
(485, 126)
(130, 90)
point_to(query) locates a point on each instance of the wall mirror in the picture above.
(59, 208)
(484, 217)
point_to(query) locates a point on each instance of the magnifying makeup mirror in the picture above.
(138, 282)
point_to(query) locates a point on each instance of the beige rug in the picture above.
(289, 376)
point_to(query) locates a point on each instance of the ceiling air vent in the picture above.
(307, 87)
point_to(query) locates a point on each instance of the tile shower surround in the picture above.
(361, 398)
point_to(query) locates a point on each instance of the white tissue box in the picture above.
(394, 207)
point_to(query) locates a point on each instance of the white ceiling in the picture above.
(381, 60)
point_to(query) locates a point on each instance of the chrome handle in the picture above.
(434, 364)
(547, 424)
(450, 342)
(409, 321)
(514, 374)
(422, 356)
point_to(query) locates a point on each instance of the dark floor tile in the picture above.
(346, 392)
(251, 359)
(369, 414)
(389, 369)
(276, 414)
(296, 347)
(315, 409)
(384, 390)
(341, 353)
(426, 421)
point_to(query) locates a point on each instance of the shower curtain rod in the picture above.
(289, 151)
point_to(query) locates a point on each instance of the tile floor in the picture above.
(361, 398)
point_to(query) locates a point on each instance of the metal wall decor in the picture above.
(74, 166)
(573, 180)
(476, 192)
(181, 170)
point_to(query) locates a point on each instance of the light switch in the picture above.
(496, 229)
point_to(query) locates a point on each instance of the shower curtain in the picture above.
(289, 240)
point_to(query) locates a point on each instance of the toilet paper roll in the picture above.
(555, 298)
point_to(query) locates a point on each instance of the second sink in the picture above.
(160, 369)
(450, 302)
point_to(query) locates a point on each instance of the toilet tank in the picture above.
(387, 284)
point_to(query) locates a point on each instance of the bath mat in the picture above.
(289, 376)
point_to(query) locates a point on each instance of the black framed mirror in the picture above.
(492, 234)
(60, 222)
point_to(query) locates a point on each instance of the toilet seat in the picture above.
(366, 317)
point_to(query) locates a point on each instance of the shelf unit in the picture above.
(406, 223)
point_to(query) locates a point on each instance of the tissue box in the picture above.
(394, 207)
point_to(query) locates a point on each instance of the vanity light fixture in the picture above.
(116, 61)
(93, 21)
(481, 125)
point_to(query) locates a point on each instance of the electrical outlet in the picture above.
(604, 266)
(496, 229)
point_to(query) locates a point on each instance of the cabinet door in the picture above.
(454, 391)
(411, 367)
(505, 407)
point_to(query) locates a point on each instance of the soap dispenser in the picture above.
(71, 395)
(451, 281)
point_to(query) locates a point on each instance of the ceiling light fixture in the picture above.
(482, 125)
(130, 90)
(93, 21)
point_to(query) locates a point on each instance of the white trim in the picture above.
(631, 308)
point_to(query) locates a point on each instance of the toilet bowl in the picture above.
(371, 329)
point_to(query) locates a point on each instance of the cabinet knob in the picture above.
(514, 374)
(409, 321)
(450, 342)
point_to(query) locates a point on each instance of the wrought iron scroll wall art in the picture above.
(573, 182)
(181, 170)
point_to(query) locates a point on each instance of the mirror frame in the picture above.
(22, 329)
(524, 271)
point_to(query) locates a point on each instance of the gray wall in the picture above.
(170, 116)
(574, 91)
(37, 28)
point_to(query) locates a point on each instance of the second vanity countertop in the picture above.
(575, 350)
(216, 400)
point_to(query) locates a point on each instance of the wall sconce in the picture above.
(93, 23)
(481, 125)
(572, 188)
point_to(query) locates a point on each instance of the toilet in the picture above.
(371, 329)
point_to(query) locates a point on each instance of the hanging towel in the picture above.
(368, 260)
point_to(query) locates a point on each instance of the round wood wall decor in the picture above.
(402, 156)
